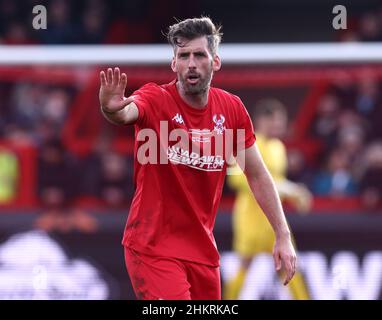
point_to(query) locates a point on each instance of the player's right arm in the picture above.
(115, 107)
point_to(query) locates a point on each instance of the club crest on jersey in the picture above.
(219, 123)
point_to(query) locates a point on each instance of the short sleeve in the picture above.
(146, 99)
(246, 134)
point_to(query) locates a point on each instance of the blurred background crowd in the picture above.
(348, 122)
(120, 22)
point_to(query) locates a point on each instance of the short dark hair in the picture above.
(268, 106)
(194, 28)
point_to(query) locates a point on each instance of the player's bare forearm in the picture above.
(265, 191)
(123, 116)
(267, 196)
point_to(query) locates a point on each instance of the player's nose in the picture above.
(191, 62)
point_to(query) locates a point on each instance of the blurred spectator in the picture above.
(90, 165)
(5, 107)
(55, 107)
(375, 132)
(369, 27)
(368, 97)
(17, 136)
(93, 26)
(298, 169)
(326, 122)
(16, 33)
(115, 184)
(61, 28)
(108, 175)
(8, 13)
(27, 100)
(336, 179)
(351, 136)
(57, 175)
(368, 103)
(9, 175)
(122, 32)
(45, 131)
(57, 186)
(37, 112)
(371, 180)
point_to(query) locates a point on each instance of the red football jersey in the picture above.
(179, 181)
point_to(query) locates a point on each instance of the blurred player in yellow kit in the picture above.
(252, 233)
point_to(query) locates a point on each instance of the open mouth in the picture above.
(193, 79)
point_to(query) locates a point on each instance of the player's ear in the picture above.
(216, 63)
(173, 67)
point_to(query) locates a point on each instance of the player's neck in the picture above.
(197, 101)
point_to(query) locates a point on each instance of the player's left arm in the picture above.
(265, 192)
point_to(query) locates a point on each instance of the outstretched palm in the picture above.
(112, 90)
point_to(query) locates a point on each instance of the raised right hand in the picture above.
(112, 90)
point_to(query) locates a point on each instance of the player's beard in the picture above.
(200, 87)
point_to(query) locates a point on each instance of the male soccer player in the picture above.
(252, 232)
(170, 250)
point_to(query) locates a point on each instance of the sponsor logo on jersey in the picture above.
(177, 155)
(200, 135)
